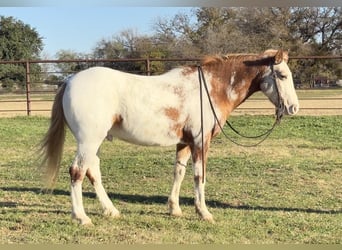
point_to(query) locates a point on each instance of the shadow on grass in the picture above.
(159, 199)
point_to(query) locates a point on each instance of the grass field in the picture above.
(287, 190)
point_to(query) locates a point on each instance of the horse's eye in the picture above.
(281, 76)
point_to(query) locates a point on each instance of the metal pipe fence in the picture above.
(40, 82)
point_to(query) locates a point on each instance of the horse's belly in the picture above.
(145, 137)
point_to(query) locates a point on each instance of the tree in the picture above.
(177, 35)
(18, 41)
(67, 68)
(321, 30)
(303, 31)
(321, 27)
(129, 44)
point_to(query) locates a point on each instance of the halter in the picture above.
(280, 109)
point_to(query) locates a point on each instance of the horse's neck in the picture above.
(253, 87)
(240, 84)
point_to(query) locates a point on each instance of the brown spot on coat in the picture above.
(76, 174)
(178, 91)
(116, 123)
(188, 70)
(90, 177)
(178, 128)
(197, 178)
(187, 137)
(117, 120)
(182, 152)
(172, 113)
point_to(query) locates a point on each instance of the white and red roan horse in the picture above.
(101, 103)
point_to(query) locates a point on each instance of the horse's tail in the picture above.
(53, 142)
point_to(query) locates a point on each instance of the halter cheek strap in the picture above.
(280, 109)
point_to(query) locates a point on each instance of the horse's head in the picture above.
(277, 83)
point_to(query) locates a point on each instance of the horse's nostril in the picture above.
(294, 109)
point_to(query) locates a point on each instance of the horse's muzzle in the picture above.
(292, 109)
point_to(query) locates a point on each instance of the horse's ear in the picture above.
(278, 58)
(286, 56)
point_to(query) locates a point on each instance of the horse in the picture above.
(101, 103)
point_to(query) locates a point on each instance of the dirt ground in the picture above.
(315, 107)
(308, 106)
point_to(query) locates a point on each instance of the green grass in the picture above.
(287, 190)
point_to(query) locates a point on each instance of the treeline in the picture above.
(302, 31)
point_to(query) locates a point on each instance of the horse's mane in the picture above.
(249, 59)
(215, 59)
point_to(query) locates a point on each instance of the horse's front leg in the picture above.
(183, 154)
(199, 173)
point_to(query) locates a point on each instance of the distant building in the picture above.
(339, 83)
(320, 82)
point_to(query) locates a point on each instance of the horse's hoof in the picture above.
(86, 223)
(209, 219)
(113, 213)
(176, 212)
(174, 209)
(83, 221)
(206, 216)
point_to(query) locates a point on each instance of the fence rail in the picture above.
(23, 101)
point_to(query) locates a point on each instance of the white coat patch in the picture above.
(232, 95)
(232, 78)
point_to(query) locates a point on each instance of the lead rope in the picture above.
(202, 128)
(279, 114)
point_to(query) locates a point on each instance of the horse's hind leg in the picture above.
(182, 156)
(94, 175)
(77, 172)
(87, 163)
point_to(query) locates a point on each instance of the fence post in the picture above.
(28, 89)
(148, 66)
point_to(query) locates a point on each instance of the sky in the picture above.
(80, 28)
(78, 25)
